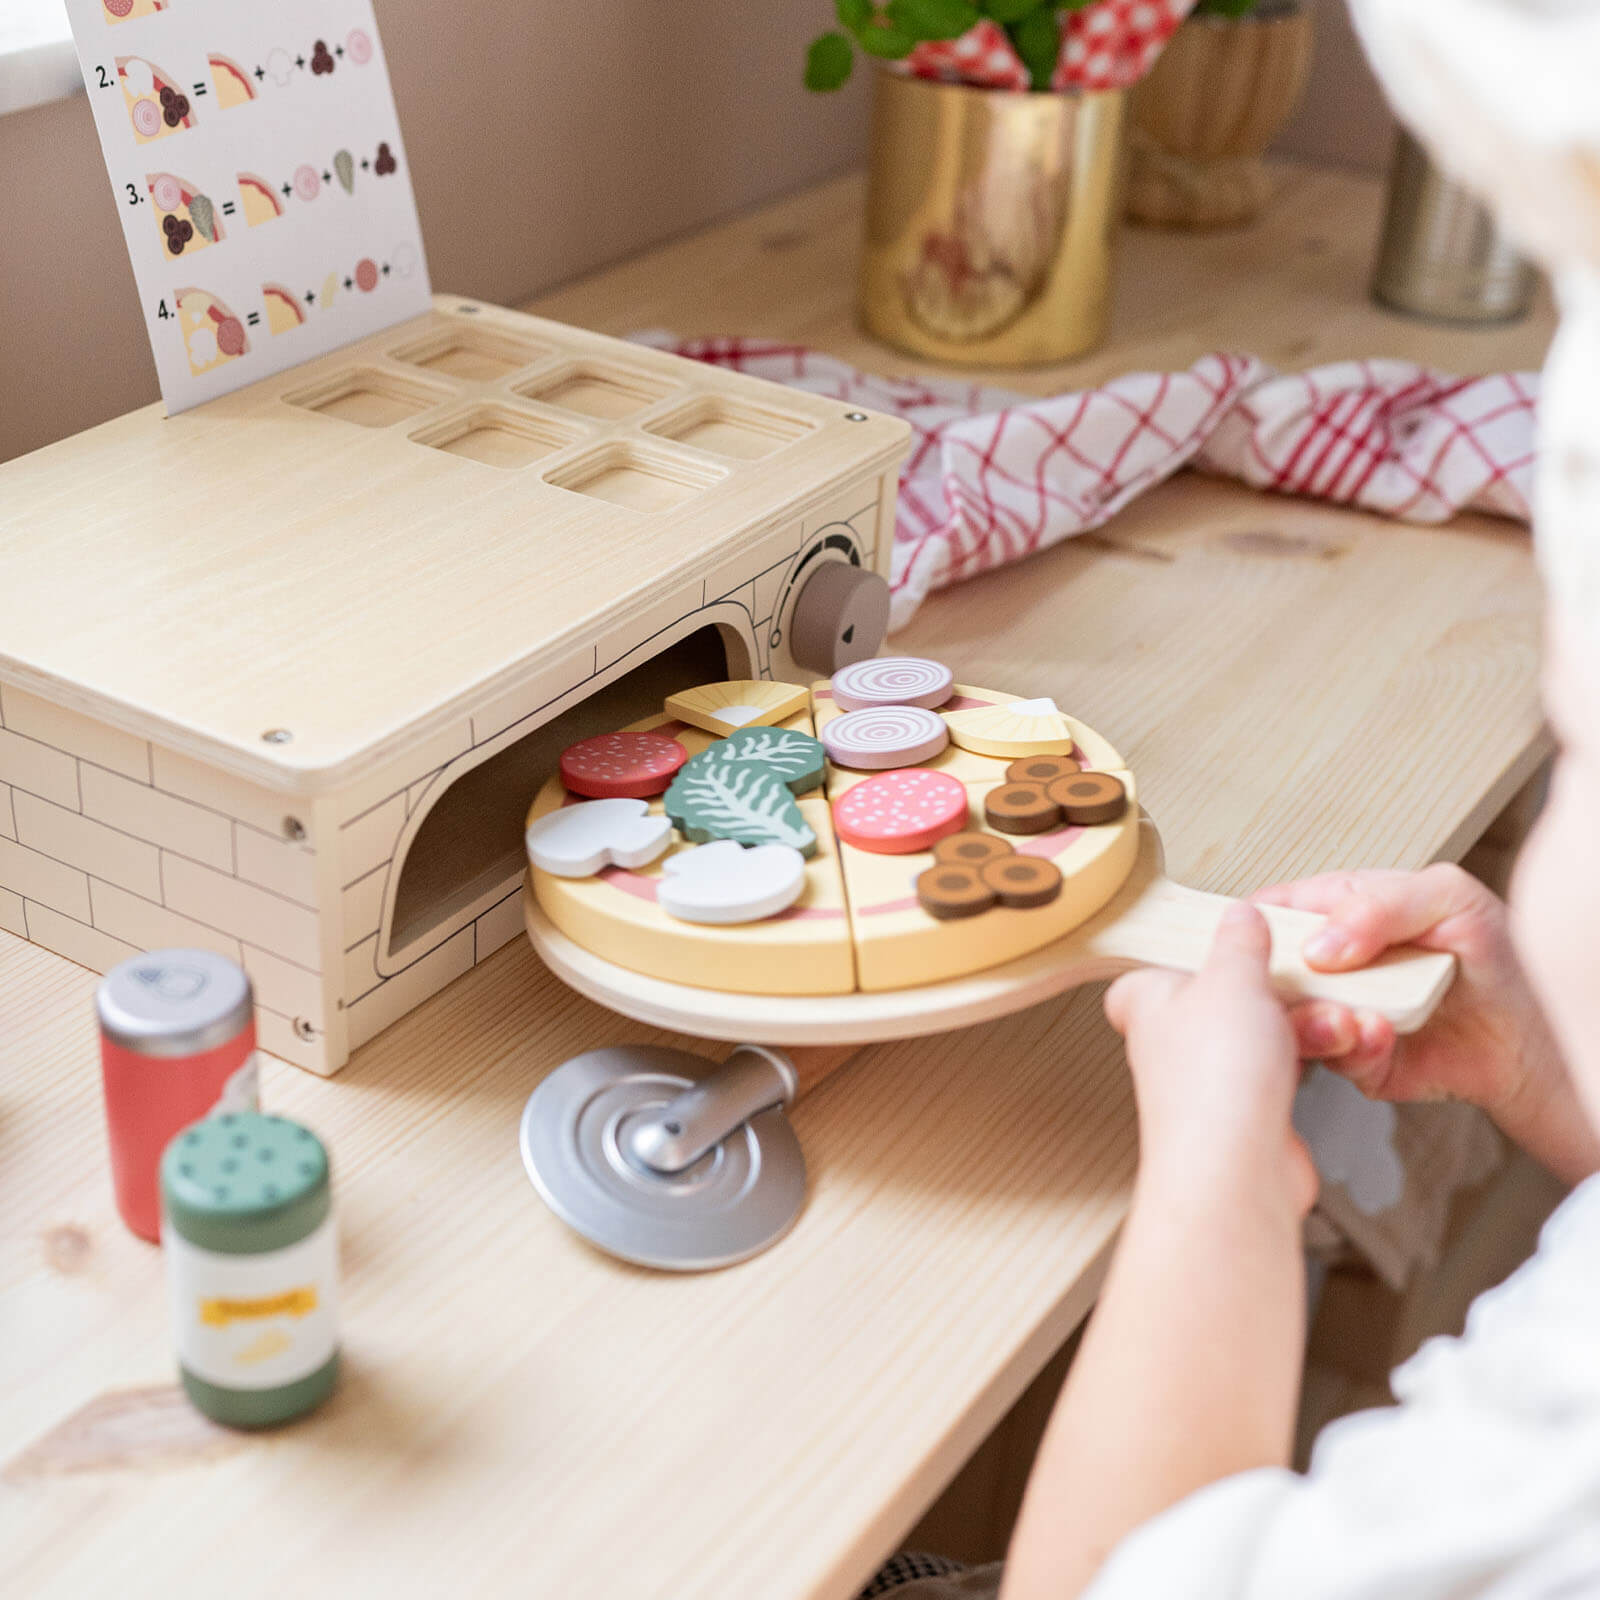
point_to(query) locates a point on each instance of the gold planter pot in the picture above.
(1203, 116)
(990, 220)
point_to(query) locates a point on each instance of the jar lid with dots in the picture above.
(244, 1182)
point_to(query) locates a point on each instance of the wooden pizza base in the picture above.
(1149, 921)
(859, 1017)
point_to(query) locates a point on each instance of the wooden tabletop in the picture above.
(1296, 687)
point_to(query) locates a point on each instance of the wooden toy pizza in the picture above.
(996, 857)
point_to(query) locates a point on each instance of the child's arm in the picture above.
(1488, 1044)
(1190, 1368)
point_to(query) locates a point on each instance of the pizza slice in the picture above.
(187, 218)
(283, 309)
(124, 10)
(260, 201)
(212, 335)
(231, 82)
(156, 105)
(802, 950)
(898, 944)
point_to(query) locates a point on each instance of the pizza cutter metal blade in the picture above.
(660, 1158)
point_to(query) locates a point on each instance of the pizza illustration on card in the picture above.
(156, 105)
(187, 219)
(212, 335)
(231, 82)
(260, 201)
(123, 10)
(283, 309)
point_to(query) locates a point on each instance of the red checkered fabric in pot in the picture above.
(1108, 45)
(981, 58)
(994, 476)
(1111, 45)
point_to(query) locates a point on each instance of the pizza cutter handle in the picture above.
(1171, 926)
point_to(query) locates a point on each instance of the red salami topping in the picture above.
(633, 766)
(366, 275)
(119, 8)
(897, 813)
(230, 336)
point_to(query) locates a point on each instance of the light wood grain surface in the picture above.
(1295, 687)
(330, 564)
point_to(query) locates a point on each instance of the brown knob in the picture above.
(840, 616)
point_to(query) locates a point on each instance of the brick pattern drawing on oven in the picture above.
(110, 846)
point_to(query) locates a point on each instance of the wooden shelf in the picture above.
(523, 1414)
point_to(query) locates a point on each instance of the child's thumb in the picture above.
(1242, 946)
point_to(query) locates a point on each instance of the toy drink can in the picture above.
(177, 1041)
(252, 1267)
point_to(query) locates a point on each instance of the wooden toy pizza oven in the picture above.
(279, 676)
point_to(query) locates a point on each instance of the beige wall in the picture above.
(1343, 119)
(544, 137)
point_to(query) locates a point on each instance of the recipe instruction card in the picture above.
(257, 162)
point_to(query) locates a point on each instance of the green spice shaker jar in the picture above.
(252, 1268)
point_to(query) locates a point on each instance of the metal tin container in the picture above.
(990, 220)
(252, 1267)
(1441, 255)
(177, 1040)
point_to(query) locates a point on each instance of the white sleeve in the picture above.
(1469, 1488)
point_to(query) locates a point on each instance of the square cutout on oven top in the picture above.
(369, 397)
(640, 479)
(598, 389)
(497, 436)
(730, 427)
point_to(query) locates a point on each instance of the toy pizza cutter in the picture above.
(657, 1159)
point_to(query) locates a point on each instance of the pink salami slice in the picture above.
(119, 8)
(230, 336)
(366, 275)
(897, 813)
(628, 765)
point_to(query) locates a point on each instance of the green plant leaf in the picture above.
(886, 41)
(796, 757)
(1005, 12)
(853, 14)
(740, 800)
(828, 62)
(1225, 8)
(933, 19)
(1038, 41)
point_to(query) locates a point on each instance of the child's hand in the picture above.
(1214, 1067)
(1486, 1044)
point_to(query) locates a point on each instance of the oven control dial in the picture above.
(840, 616)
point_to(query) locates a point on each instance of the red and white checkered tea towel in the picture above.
(1108, 45)
(995, 476)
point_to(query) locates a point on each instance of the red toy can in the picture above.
(177, 1042)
